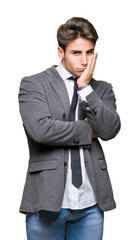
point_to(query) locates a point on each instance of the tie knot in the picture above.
(75, 81)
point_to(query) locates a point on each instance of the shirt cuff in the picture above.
(84, 92)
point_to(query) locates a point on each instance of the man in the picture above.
(65, 112)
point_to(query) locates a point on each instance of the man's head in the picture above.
(76, 39)
(74, 28)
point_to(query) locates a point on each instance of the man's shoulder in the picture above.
(99, 83)
(41, 76)
(100, 86)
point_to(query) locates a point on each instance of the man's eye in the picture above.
(76, 53)
(90, 52)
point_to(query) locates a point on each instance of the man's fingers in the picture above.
(94, 135)
(92, 63)
(94, 59)
(85, 78)
(86, 119)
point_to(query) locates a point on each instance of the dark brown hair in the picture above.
(74, 28)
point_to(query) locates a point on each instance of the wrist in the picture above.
(83, 82)
(82, 85)
(80, 88)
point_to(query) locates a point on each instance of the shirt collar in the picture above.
(64, 74)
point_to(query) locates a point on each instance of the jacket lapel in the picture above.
(59, 86)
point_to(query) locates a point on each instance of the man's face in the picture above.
(76, 56)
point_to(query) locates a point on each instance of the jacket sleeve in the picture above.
(41, 126)
(101, 112)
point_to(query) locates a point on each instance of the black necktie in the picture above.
(75, 154)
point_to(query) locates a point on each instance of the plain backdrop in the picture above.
(28, 45)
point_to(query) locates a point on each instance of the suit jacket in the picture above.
(44, 107)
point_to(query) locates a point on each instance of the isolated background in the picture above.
(27, 46)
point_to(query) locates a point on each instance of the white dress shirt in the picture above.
(82, 197)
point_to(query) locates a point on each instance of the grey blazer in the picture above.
(44, 108)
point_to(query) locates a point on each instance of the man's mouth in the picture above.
(81, 69)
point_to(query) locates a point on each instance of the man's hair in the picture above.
(74, 28)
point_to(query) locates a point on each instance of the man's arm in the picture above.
(41, 126)
(101, 113)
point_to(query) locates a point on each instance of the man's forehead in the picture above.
(80, 44)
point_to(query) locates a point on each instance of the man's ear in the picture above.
(60, 52)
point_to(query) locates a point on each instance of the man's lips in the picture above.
(81, 69)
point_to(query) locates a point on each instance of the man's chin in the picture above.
(78, 74)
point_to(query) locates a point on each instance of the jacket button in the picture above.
(65, 164)
(76, 141)
(88, 109)
(64, 117)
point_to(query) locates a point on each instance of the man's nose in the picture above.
(84, 59)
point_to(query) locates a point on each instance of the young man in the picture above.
(65, 112)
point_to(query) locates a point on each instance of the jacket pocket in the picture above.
(43, 165)
(102, 163)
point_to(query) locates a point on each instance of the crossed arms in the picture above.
(43, 128)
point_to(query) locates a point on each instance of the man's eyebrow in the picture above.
(75, 51)
(89, 50)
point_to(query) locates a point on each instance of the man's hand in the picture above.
(86, 76)
(94, 135)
